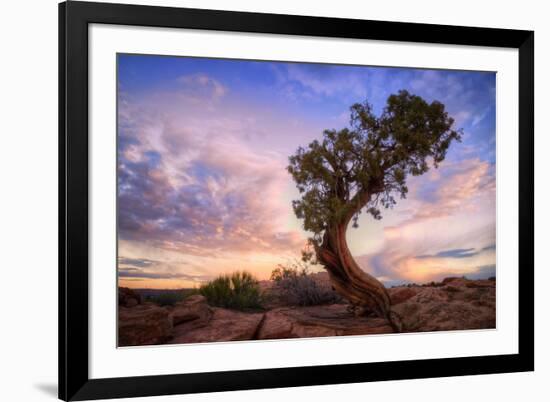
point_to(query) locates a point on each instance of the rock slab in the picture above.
(128, 298)
(318, 321)
(224, 325)
(194, 308)
(457, 304)
(143, 325)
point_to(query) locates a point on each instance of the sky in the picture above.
(203, 190)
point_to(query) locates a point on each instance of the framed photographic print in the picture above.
(258, 201)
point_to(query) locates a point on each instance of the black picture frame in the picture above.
(74, 381)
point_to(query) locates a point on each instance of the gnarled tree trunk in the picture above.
(349, 280)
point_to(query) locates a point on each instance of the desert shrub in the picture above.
(239, 291)
(297, 287)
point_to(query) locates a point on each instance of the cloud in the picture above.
(483, 272)
(479, 117)
(454, 187)
(125, 273)
(313, 80)
(453, 206)
(142, 268)
(200, 85)
(470, 99)
(455, 253)
(185, 185)
(136, 262)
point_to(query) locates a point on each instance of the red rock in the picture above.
(318, 321)
(225, 325)
(191, 309)
(401, 294)
(143, 325)
(451, 307)
(128, 297)
(131, 302)
(452, 288)
(455, 281)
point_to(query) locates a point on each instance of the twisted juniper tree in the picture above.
(363, 168)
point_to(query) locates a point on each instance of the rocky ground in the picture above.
(453, 304)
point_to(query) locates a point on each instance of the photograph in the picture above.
(268, 200)
(213, 201)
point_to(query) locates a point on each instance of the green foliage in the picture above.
(297, 287)
(367, 164)
(240, 291)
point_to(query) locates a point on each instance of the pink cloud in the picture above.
(451, 210)
(195, 189)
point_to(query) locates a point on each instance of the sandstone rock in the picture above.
(224, 325)
(454, 306)
(318, 321)
(128, 297)
(131, 302)
(452, 288)
(457, 282)
(143, 325)
(193, 308)
(401, 294)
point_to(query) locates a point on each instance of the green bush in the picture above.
(239, 291)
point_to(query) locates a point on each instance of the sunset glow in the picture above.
(203, 189)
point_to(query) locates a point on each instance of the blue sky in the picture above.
(203, 190)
